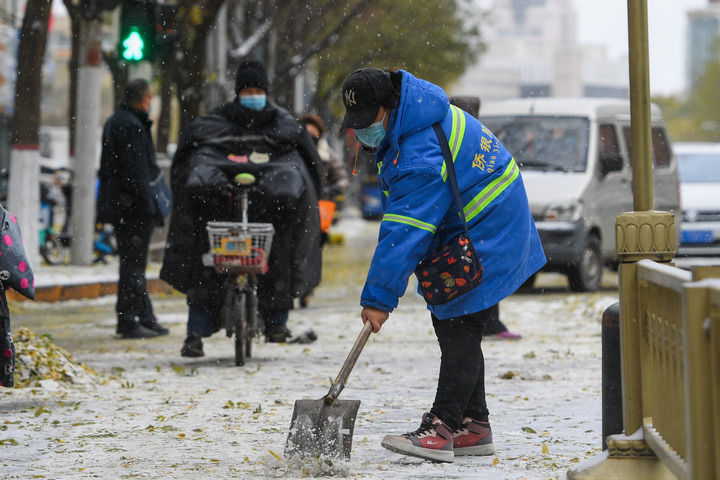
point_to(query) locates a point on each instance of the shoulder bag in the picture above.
(455, 268)
(162, 194)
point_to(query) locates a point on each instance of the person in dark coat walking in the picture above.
(248, 134)
(127, 165)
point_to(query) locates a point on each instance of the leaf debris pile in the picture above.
(37, 359)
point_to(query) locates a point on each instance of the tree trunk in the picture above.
(166, 91)
(73, 65)
(195, 20)
(23, 189)
(119, 72)
(28, 91)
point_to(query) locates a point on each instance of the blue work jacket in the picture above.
(420, 214)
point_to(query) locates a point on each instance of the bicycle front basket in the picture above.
(235, 249)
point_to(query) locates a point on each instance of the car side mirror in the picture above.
(610, 164)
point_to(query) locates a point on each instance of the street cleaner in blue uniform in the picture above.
(393, 114)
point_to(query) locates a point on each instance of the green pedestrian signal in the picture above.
(136, 39)
(133, 47)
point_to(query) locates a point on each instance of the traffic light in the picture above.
(166, 35)
(136, 41)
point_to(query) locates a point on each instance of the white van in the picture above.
(574, 154)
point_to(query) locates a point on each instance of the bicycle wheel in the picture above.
(229, 308)
(53, 252)
(250, 318)
(241, 352)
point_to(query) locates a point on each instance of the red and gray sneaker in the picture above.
(473, 438)
(432, 441)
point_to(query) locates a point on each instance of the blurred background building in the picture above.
(703, 31)
(532, 51)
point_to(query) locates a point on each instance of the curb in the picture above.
(60, 293)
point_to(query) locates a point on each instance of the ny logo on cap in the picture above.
(350, 98)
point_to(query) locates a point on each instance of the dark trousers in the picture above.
(494, 325)
(133, 301)
(7, 347)
(461, 383)
(204, 310)
(273, 318)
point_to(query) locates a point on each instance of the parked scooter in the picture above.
(54, 245)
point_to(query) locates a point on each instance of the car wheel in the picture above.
(586, 274)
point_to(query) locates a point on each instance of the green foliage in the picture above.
(429, 39)
(696, 118)
(705, 102)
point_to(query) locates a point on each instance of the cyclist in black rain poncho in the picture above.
(248, 134)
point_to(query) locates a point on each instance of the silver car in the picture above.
(699, 171)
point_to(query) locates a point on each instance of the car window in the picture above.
(607, 145)
(543, 142)
(660, 146)
(699, 167)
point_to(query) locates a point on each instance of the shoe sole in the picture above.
(420, 452)
(159, 330)
(191, 355)
(487, 449)
(127, 336)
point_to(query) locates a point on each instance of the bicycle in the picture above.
(55, 246)
(240, 251)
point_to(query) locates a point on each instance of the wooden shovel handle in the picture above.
(352, 357)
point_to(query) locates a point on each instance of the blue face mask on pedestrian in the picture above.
(373, 135)
(253, 102)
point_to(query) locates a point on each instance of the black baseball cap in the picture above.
(364, 92)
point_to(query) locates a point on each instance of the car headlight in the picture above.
(564, 213)
(689, 215)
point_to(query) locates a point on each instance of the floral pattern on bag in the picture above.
(452, 271)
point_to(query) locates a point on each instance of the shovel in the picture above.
(325, 427)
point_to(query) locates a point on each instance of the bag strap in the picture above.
(450, 167)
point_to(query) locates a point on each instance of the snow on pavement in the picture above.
(164, 416)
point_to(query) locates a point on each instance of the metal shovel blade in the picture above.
(325, 427)
(321, 429)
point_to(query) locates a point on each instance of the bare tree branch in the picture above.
(298, 61)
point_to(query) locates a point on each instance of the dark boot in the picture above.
(133, 329)
(277, 334)
(192, 347)
(152, 324)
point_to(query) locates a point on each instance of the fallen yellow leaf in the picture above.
(274, 455)
(496, 461)
(545, 449)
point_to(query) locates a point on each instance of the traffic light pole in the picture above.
(86, 142)
(140, 70)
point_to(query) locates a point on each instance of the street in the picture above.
(143, 411)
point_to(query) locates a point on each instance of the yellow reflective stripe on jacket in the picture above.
(456, 136)
(489, 193)
(391, 217)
